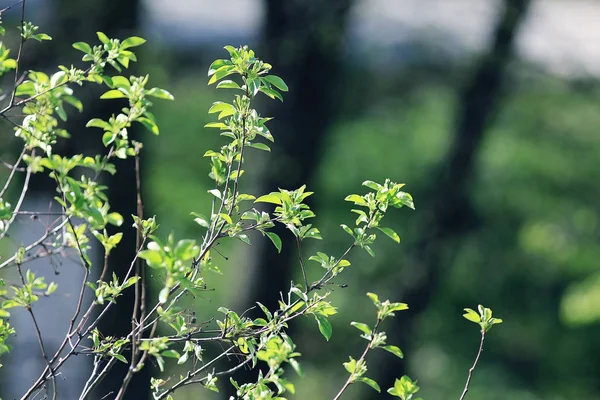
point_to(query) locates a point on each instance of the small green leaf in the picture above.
(97, 123)
(115, 219)
(274, 198)
(132, 42)
(227, 218)
(260, 146)
(369, 382)
(228, 84)
(103, 38)
(362, 327)
(472, 316)
(163, 295)
(120, 357)
(277, 82)
(324, 326)
(395, 350)
(347, 230)
(114, 94)
(275, 239)
(170, 354)
(390, 232)
(215, 125)
(83, 46)
(160, 94)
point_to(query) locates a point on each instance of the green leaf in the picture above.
(83, 46)
(163, 295)
(149, 124)
(347, 230)
(201, 220)
(274, 94)
(362, 327)
(296, 366)
(225, 109)
(395, 350)
(115, 219)
(216, 65)
(97, 123)
(472, 316)
(356, 199)
(160, 94)
(260, 146)
(228, 84)
(120, 357)
(170, 354)
(324, 326)
(132, 42)
(274, 198)
(277, 82)
(390, 232)
(369, 382)
(215, 125)
(220, 73)
(372, 185)
(275, 239)
(114, 94)
(103, 38)
(227, 218)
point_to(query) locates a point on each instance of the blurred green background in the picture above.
(488, 110)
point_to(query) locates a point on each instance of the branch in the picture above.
(466, 389)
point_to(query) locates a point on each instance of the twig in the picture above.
(12, 172)
(351, 378)
(466, 389)
(38, 334)
(18, 59)
(20, 201)
(299, 244)
(190, 375)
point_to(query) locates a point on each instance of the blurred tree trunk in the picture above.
(79, 21)
(452, 213)
(303, 40)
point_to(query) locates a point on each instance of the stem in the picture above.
(352, 377)
(466, 389)
(299, 244)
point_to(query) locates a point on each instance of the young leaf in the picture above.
(277, 82)
(324, 326)
(362, 327)
(132, 42)
(276, 240)
(369, 382)
(82, 46)
(114, 94)
(274, 198)
(390, 232)
(395, 350)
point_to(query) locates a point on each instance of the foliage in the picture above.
(261, 343)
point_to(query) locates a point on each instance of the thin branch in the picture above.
(21, 198)
(299, 244)
(466, 389)
(14, 168)
(38, 335)
(352, 378)
(190, 375)
(18, 59)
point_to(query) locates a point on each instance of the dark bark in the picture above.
(452, 213)
(303, 40)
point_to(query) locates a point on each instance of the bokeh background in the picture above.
(489, 111)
